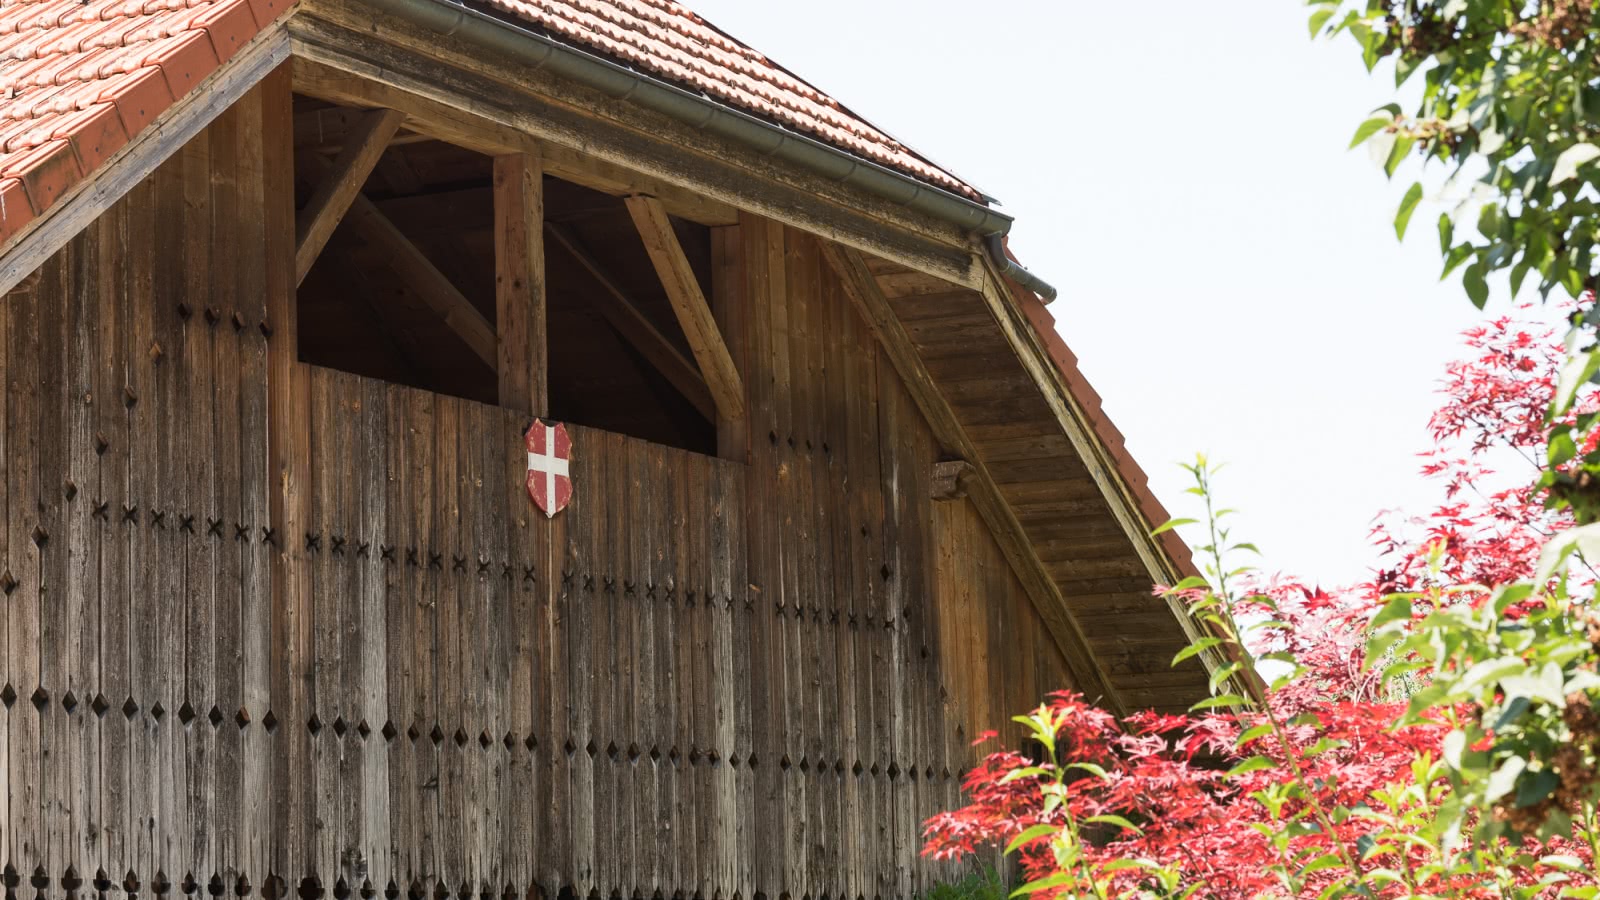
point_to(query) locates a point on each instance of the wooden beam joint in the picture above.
(689, 304)
(314, 225)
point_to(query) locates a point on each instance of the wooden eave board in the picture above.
(1101, 571)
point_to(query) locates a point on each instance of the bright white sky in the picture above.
(1229, 274)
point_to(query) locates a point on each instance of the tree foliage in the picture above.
(1430, 732)
(1509, 107)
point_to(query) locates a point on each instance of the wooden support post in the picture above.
(315, 224)
(431, 285)
(624, 315)
(862, 289)
(519, 282)
(689, 303)
(728, 303)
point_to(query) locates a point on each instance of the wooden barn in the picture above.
(504, 448)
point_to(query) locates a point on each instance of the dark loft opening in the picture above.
(414, 258)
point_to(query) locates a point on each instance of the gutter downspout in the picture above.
(448, 17)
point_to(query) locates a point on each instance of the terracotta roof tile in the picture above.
(86, 76)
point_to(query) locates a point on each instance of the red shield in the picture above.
(549, 459)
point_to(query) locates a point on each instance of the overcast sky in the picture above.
(1229, 274)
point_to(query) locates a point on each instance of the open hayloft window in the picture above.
(403, 287)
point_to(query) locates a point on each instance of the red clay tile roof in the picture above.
(79, 78)
(667, 40)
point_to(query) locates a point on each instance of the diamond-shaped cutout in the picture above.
(510, 741)
(8, 695)
(672, 755)
(436, 735)
(655, 753)
(894, 771)
(874, 770)
(270, 722)
(591, 749)
(611, 751)
(389, 731)
(805, 765)
(484, 740)
(40, 698)
(569, 746)
(339, 728)
(694, 756)
(158, 711)
(413, 733)
(69, 702)
(314, 724)
(100, 704)
(186, 713)
(41, 536)
(7, 582)
(633, 753)
(363, 729)
(214, 717)
(856, 769)
(838, 767)
(130, 708)
(242, 718)
(531, 742)
(461, 737)
(754, 761)
(784, 763)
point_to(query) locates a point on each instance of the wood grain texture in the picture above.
(689, 304)
(315, 223)
(380, 670)
(519, 280)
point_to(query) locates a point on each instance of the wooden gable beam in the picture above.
(862, 289)
(690, 305)
(431, 285)
(625, 317)
(339, 187)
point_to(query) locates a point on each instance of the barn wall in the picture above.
(706, 678)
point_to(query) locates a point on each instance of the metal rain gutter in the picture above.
(447, 17)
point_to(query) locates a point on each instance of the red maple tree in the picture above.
(1205, 795)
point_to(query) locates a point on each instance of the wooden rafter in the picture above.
(862, 289)
(689, 304)
(369, 223)
(431, 285)
(625, 317)
(340, 186)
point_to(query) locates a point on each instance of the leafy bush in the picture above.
(1428, 733)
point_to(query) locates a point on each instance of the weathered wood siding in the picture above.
(704, 679)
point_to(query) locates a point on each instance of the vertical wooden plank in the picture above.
(266, 354)
(396, 581)
(111, 443)
(365, 552)
(621, 729)
(520, 615)
(425, 734)
(325, 665)
(600, 615)
(648, 682)
(579, 622)
(22, 565)
(83, 575)
(447, 640)
(520, 282)
(53, 596)
(191, 360)
(549, 544)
